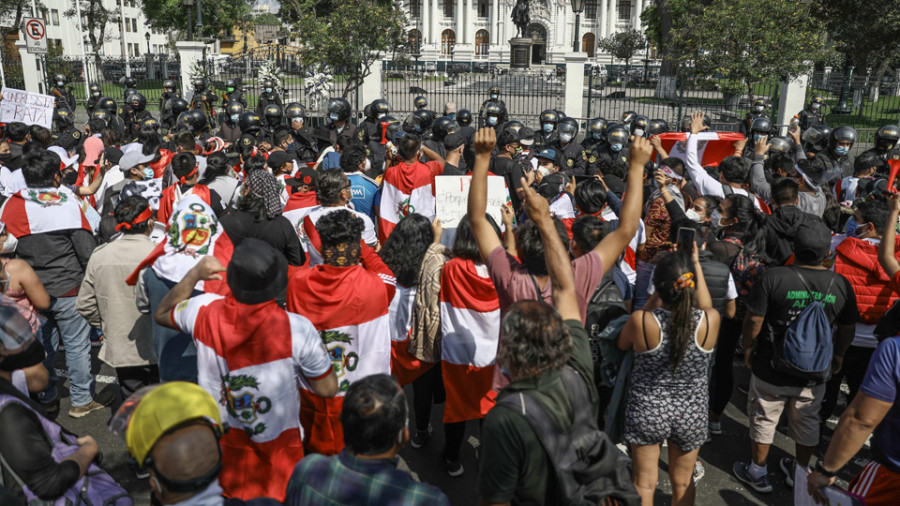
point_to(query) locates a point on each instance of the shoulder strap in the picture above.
(705, 337)
(537, 288)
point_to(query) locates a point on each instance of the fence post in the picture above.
(30, 68)
(574, 104)
(791, 101)
(190, 52)
(371, 85)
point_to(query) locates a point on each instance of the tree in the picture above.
(623, 45)
(11, 14)
(745, 41)
(219, 17)
(659, 19)
(267, 19)
(95, 18)
(351, 38)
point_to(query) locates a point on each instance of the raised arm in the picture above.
(208, 269)
(888, 241)
(705, 184)
(485, 237)
(758, 183)
(615, 242)
(432, 155)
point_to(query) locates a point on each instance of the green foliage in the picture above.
(219, 17)
(623, 45)
(96, 19)
(350, 38)
(267, 18)
(11, 14)
(865, 33)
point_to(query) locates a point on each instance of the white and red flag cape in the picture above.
(39, 210)
(406, 189)
(712, 147)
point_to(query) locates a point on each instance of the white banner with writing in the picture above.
(26, 107)
(452, 198)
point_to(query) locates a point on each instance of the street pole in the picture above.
(84, 67)
(122, 21)
(577, 24)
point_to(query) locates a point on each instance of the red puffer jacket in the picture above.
(857, 260)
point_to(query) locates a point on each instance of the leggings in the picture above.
(453, 438)
(428, 389)
(722, 383)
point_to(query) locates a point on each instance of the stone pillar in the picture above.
(636, 14)
(603, 19)
(574, 98)
(433, 34)
(190, 51)
(34, 80)
(495, 23)
(424, 22)
(613, 17)
(371, 86)
(460, 28)
(791, 100)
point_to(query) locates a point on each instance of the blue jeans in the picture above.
(63, 322)
(176, 351)
(642, 282)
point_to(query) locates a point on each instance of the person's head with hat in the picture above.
(304, 181)
(172, 430)
(548, 161)
(812, 242)
(184, 166)
(135, 165)
(280, 163)
(509, 143)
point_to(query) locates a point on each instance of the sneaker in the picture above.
(761, 484)
(82, 411)
(453, 467)
(421, 437)
(715, 428)
(699, 472)
(787, 466)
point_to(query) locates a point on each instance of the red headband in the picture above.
(145, 215)
(184, 179)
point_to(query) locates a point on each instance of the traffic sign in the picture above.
(35, 35)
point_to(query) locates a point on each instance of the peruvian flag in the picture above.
(41, 210)
(404, 366)
(349, 308)
(406, 189)
(712, 147)
(297, 207)
(629, 256)
(470, 326)
(563, 207)
(194, 232)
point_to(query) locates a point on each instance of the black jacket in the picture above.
(781, 227)
(716, 276)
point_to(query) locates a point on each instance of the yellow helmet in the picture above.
(153, 411)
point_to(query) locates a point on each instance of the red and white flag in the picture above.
(629, 256)
(563, 207)
(194, 232)
(712, 147)
(470, 328)
(40, 210)
(349, 308)
(404, 366)
(406, 189)
(297, 207)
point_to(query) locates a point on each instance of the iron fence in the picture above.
(12, 70)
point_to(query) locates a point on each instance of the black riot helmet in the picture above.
(779, 145)
(177, 106)
(59, 78)
(138, 102)
(100, 114)
(169, 86)
(234, 109)
(492, 113)
(295, 110)
(388, 126)
(107, 104)
(639, 125)
(686, 123)
(886, 137)
(273, 114)
(198, 83)
(196, 120)
(418, 122)
(759, 106)
(250, 122)
(268, 83)
(63, 118)
(379, 108)
(842, 134)
(815, 138)
(597, 128)
(95, 90)
(657, 126)
(150, 123)
(816, 102)
(129, 82)
(230, 85)
(513, 126)
(442, 127)
(548, 120)
(761, 125)
(568, 129)
(494, 93)
(464, 117)
(628, 117)
(617, 135)
(420, 102)
(338, 109)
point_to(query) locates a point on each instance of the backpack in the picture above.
(889, 324)
(589, 469)
(604, 306)
(747, 269)
(805, 349)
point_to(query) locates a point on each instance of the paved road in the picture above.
(716, 488)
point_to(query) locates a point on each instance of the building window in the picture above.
(448, 40)
(415, 40)
(484, 9)
(134, 25)
(482, 42)
(590, 9)
(54, 17)
(127, 25)
(415, 8)
(448, 9)
(588, 43)
(624, 10)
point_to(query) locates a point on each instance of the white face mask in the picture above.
(60, 84)
(543, 171)
(368, 165)
(565, 138)
(692, 215)
(638, 132)
(381, 115)
(9, 246)
(235, 117)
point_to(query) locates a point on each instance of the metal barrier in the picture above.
(12, 70)
(850, 99)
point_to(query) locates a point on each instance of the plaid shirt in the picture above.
(346, 479)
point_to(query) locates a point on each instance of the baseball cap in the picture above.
(454, 140)
(134, 158)
(68, 140)
(278, 158)
(305, 176)
(526, 136)
(507, 137)
(113, 154)
(548, 154)
(812, 241)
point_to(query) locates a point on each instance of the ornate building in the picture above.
(473, 30)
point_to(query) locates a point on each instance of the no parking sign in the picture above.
(35, 35)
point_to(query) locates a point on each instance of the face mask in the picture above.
(841, 150)
(268, 90)
(565, 138)
(235, 117)
(148, 173)
(69, 177)
(598, 136)
(452, 115)
(692, 215)
(9, 246)
(757, 138)
(861, 230)
(816, 107)
(492, 120)
(638, 132)
(333, 116)
(758, 108)
(818, 147)
(97, 95)
(715, 217)
(547, 127)
(381, 115)
(5, 158)
(852, 227)
(60, 84)
(616, 147)
(543, 171)
(494, 96)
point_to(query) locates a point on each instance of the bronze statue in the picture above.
(520, 17)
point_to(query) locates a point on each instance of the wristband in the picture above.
(820, 468)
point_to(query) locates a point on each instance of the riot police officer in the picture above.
(115, 122)
(493, 98)
(833, 163)
(386, 128)
(268, 96)
(250, 124)
(570, 152)
(760, 129)
(174, 107)
(304, 146)
(420, 102)
(95, 93)
(203, 101)
(230, 131)
(198, 124)
(886, 139)
(368, 129)
(492, 114)
(63, 120)
(273, 117)
(815, 140)
(812, 115)
(441, 128)
(419, 123)
(628, 117)
(233, 94)
(338, 120)
(639, 125)
(594, 141)
(657, 126)
(546, 133)
(64, 96)
(169, 93)
(130, 87)
(613, 159)
(757, 110)
(135, 114)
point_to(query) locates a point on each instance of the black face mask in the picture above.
(33, 355)
(69, 176)
(5, 157)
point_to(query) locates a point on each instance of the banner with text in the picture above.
(452, 197)
(27, 107)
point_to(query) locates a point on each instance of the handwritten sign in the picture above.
(26, 107)
(452, 198)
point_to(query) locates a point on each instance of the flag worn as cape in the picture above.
(41, 210)
(406, 189)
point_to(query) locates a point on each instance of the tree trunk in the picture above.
(665, 87)
(875, 90)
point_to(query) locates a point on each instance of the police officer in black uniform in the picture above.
(760, 129)
(613, 159)
(165, 107)
(657, 126)
(63, 120)
(833, 163)
(203, 101)
(441, 128)
(886, 143)
(268, 96)
(757, 110)
(130, 87)
(273, 117)
(174, 107)
(95, 93)
(304, 146)
(230, 131)
(368, 129)
(64, 96)
(420, 102)
(492, 114)
(594, 141)
(571, 160)
(493, 98)
(815, 140)
(546, 134)
(233, 94)
(639, 125)
(812, 115)
(135, 114)
(198, 124)
(338, 122)
(115, 122)
(251, 125)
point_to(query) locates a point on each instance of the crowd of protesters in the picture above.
(265, 290)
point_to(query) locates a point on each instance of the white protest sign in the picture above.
(452, 197)
(27, 107)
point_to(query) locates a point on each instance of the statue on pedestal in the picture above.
(520, 17)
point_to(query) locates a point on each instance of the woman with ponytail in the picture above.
(669, 395)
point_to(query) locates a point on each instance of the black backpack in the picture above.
(605, 305)
(589, 468)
